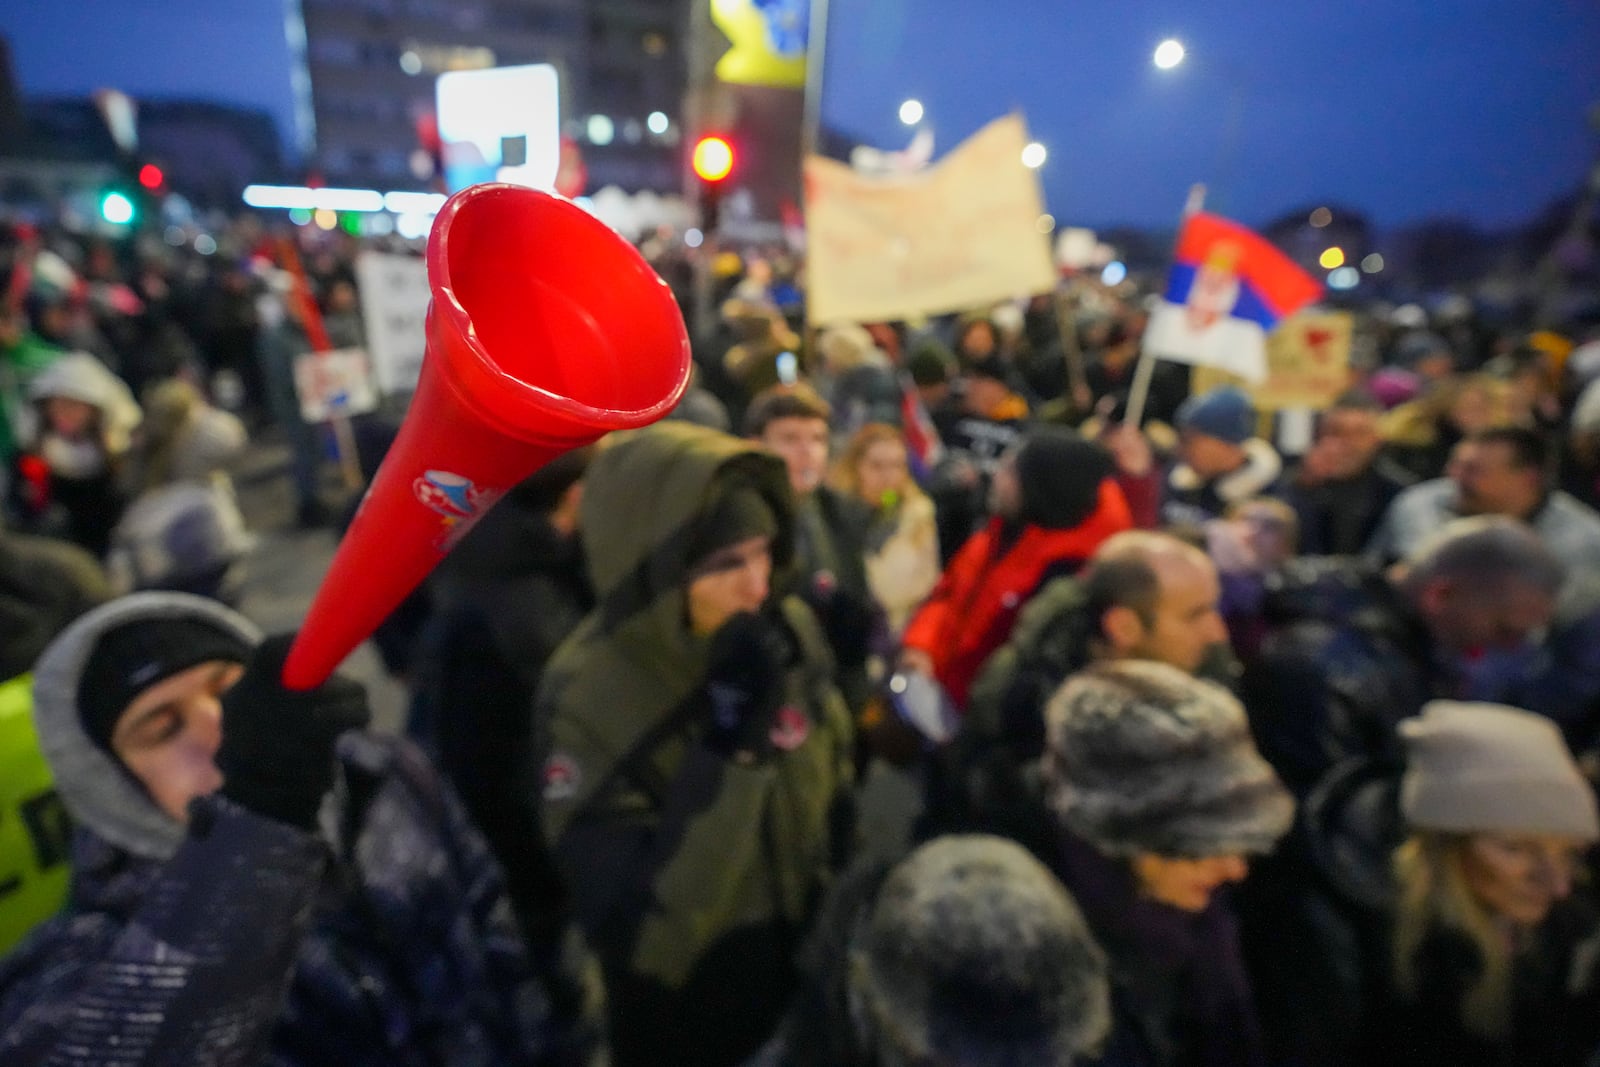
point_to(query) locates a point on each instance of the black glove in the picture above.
(744, 683)
(847, 621)
(277, 744)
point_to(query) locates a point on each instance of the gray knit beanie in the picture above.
(1144, 758)
(975, 954)
(1476, 768)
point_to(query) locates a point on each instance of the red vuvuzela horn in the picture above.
(546, 330)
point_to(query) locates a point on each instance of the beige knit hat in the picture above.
(1477, 768)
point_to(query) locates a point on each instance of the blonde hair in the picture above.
(846, 473)
(1434, 897)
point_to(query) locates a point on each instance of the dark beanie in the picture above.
(132, 657)
(930, 363)
(736, 514)
(1060, 473)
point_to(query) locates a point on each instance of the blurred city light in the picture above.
(911, 112)
(1331, 258)
(425, 203)
(410, 62)
(1114, 273)
(1372, 264)
(601, 129)
(693, 238)
(300, 216)
(1344, 278)
(1169, 54)
(1321, 217)
(1046, 223)
(413, 225)
(1034, 155)
(116, 208)
(150, 176)
(205, 244)
(298, 196)
(658, 122)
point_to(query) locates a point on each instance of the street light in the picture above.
(1169, 53)
(1033, 155)
(911, 112)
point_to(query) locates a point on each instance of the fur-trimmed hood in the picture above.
(1261, 468)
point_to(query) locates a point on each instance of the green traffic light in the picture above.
(116, 208)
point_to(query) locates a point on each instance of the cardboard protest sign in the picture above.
(960, 234)
(1308, 364)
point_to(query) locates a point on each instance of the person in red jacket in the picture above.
(1054, 499)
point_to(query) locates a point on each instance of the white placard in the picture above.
(334, 383)
(394, 309)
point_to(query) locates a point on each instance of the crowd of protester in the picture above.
(894, 702)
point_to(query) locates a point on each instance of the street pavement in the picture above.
(283, 572)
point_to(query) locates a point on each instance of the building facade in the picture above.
(368, 67)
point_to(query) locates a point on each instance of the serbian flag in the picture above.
(1228, 288)
(924, 450)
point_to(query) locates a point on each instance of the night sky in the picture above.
(1391, 108)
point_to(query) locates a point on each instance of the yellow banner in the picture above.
(1308, 364)
(769, 42)
(957, 235)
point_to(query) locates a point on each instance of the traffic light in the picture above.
(116, 207)
(712, 160)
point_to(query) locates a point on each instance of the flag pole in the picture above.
(1066, 301)
(1139, 390)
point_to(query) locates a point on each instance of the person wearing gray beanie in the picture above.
(1486, 768)
(1490, 954)
(975, 956)
(1160, 799)
(967, 952)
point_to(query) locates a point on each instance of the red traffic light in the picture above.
(150, 176)
(712, 159)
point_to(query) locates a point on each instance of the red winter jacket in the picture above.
(971, 611)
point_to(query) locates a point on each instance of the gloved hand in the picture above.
(277, 744)
(744, 682)
(847, 621)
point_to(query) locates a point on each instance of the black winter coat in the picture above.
(1344, 660)
(1179, 993)
(1555, 1013)
(1338, 517)
(504, 600)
